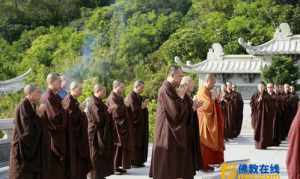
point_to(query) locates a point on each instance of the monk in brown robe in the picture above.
(100, 131)
(293, 156)
(78, 156)
(262, 115)
(230, 117)
(26, 146)
(193, 156)
(55, 117)
(280, 109)
(239, 105)
(225, 112)
(170, 143)
(121, 128)
(276, 120)
(233, 116)
(211, 125)
(138, 121)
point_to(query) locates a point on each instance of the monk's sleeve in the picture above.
(173, 107)
(95, 123)
(207, 106)
(118, 114)
(31, 133)
(253, 105)
(136, 110)
(93, 115)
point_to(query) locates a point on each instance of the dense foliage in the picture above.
(281, 71)
(102, 40)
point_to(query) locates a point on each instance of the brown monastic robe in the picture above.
(276, 136)
(239, 108)
(78, 158)
(138, 120)
(229, 113)
(55, 119)
(27, 146)
(232, 107)
(280, 115)
(193, 157)
(170, 145)
(293, 156)
(100, 132)
(262, 115)
(121, 131)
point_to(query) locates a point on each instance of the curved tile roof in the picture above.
(217, 62)
(283, 42)
(14, 84)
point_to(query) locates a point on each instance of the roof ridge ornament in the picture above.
(283, 31)
(216, 52)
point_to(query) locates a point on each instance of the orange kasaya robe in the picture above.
(211, 129)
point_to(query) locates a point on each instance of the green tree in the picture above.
(282, 70)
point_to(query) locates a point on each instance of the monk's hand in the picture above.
(41, 109)
(145, 104)
(66, 103)
(82, 108)
(197, 104)
(126, 102)
(113, 107)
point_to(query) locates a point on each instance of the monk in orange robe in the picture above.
(211, 125)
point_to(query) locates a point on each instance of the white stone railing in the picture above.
(6, 126)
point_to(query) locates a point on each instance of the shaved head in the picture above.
(175, 75)
(28, 89)
(32, 93)
(138, 83)
(210, 81)
(99, 91)
(117, 83)
(54, 81)
(98, 88)
(51, 77)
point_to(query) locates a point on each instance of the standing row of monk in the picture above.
(272, 110)
(60, 140)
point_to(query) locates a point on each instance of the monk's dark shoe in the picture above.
(121, 170)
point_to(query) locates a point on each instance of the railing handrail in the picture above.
(6, 123)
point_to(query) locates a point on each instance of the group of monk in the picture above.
(189, 133)
(232, 108)
(273, 109)
(56, 137)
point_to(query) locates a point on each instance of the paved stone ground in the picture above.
(240, 148)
